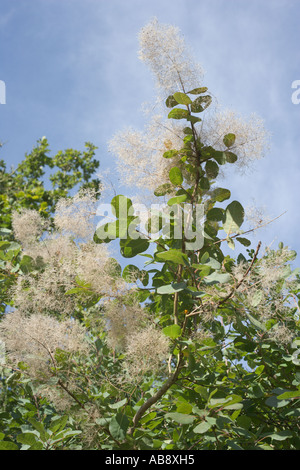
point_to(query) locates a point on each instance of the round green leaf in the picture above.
(7, 445)
(201, 103)
(216, 214)
(120, 206)
(177, 199)
(204, 184)
(234, 217)
(229, 140)
(212, 169)
(118, 426)
(171, 288)
(182, 98)
(202, 427)
(243, 241)
(170, 153)
(176, 256)
(171, 102)
(178, 113)
(172, 331)
(130, 248)
(131, 273)
(175, 176)
(181, 418)
(230, 157)
(220, 194)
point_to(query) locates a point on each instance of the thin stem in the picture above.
(165, 387)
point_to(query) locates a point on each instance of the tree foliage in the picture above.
(25, 186)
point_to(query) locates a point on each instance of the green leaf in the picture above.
(180, 418)
(243, 241)
(188, 131)
(176, 256)
(198, 91)
(234, 445)
(255, 322)
(281, 435)
(232, 402)
(289, 395)
(170, 154)
(175, 176)
(204, 184)
(121, 206)
(13, 246)
(144, 277)
(217, 278)
(230, 157)
(216, 214)
(202, 391)
(259, 370)
(130, 247)
(27, 264)
(201, 103)
(171, 288)
(234, 217)
(219, 156)
(220, 194)
(27, 438)
(202, 427)
(171, 102)
(40, 428)
(131, 273)
(193, 119)
(273, 402)
(8, 445)
(182, 406)
(244, 422)
(256, 299)
(59, 423)
(118, 426)
(113, 230)
(172, 331)
(4, 231)
(178, 113)
(230, 243)
(211, 169)
(182, 98)
(119, 404)
(148, 417)
(229, 140)
(177, 199)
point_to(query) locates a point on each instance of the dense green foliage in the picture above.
(25, 186)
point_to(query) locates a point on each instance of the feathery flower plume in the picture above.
(75, 216)
(122, 321)
(251, 140)
(34, 340)
(164, 50)
(145, 352)
(27, 225)
(94, 267)
(140, 154)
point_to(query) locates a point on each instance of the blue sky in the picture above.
(72, 74)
